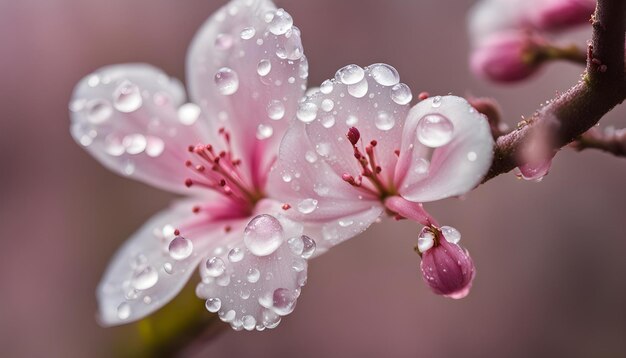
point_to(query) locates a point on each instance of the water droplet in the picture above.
(248, 33)
(154, 146)
(235, 255)
(309, 247)
(401, 94)
(134, 143)
(296, 245)
(436, 101)
(223, 42)
(127, 97)
(167, 267)
(384, 121)
(248, 322)
(384, 74)
(270, 319)
(264, 67)
(421, 166)
(350, 74)
(227, 316)
(253, 275)
(215, 266)
(98, 111)
(328, 121)
(307, 206)
(327, 87)
(281, 22)
(425, 241)
(358, 89)
(213, 304)
(188, 113)
(451, 234)
(345, 222)
(145, 279)
(352, 120)
(180, 248)
(323, 149)
(298, 264)
(307, 112)
(275, 110)
(284, 301)
(264, 131)
(327, 105)
(227, 81)
(472, 156)
(287, 177)
(263, 235)
(434, 130)
(123, 310)
(93, 81)
(310, 156)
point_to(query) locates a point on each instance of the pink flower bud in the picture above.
(506, 57)
(446, 268)
(562, 14)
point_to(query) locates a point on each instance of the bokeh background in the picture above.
(551, 256)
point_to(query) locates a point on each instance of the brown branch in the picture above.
(574, 112)
(610, 140)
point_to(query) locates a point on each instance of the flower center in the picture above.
(220, 171)
(370, 168)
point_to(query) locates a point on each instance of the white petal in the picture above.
(144, 275)
(254, 292)
(237, 72)
(456, 167)
(126, 116)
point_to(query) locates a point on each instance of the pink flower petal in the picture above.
(372, 100)
(151, 268)
(332, 209)
(126, 116)
(252, 291)
(455, 167)
(246, 68)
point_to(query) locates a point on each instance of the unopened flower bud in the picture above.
(507, 57)
(353, 135)
(446, 268)
(562, 14)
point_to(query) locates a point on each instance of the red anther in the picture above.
(208, 148)
(188, 163)
(191, 148)
(373, 143)
(222, 154)
(221, 130)
(227, 228)
(397, 152)
(195, 209)
(222, 182)
(357, 155)
(378, 169)
(188, 182)
(216, 160)
(200, 168)
(176, 232)
(353, 135)
(286, 206)
(423, 95)
(236, 162)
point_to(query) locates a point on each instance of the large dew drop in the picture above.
(263, 67)
(180, 248)
(98, 111)
(281, 22)
(263, 235)
(284, 301)
(401, 94)
(145, 278)
(227, 81)
(384, 121)
(350, 74)
(275, 110)
(307, 112)
(384, 74)
(434, 130)
(307, 206)
(127, 97)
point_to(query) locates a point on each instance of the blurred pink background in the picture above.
(550, 255)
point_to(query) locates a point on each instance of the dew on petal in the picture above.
(359, 89)
(227, 81)
(134, 143)
(350, 74)
(328, 121)
(264, 67)
(154, 146)
(384, 74)
(188, 113)
(127, 98)
(215, 266)
(213, 304)
(145, 278)
(275, 110)
(352, 120)
(307, 206)
(327, 87)
(401, 94)
(327, 105)
(223, 42)
(384, 121)
(280, 23)
(307, 112)
(123, 311)
(180, 248)
(264, 131)
(436, 102)
(98, 111)
(263, 235)
(472, 156)
(434, 130)
(451, 234)
(253, 275)
(235, 255)
(248, 33)
(284, 301)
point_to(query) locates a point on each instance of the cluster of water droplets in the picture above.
(426, 239)
(251, 286)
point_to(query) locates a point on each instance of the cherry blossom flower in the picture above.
(359, 150)
(246, 71)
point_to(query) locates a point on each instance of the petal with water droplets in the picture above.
(462, 147)
(151, 268)
(127, 117)
(247, 68)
